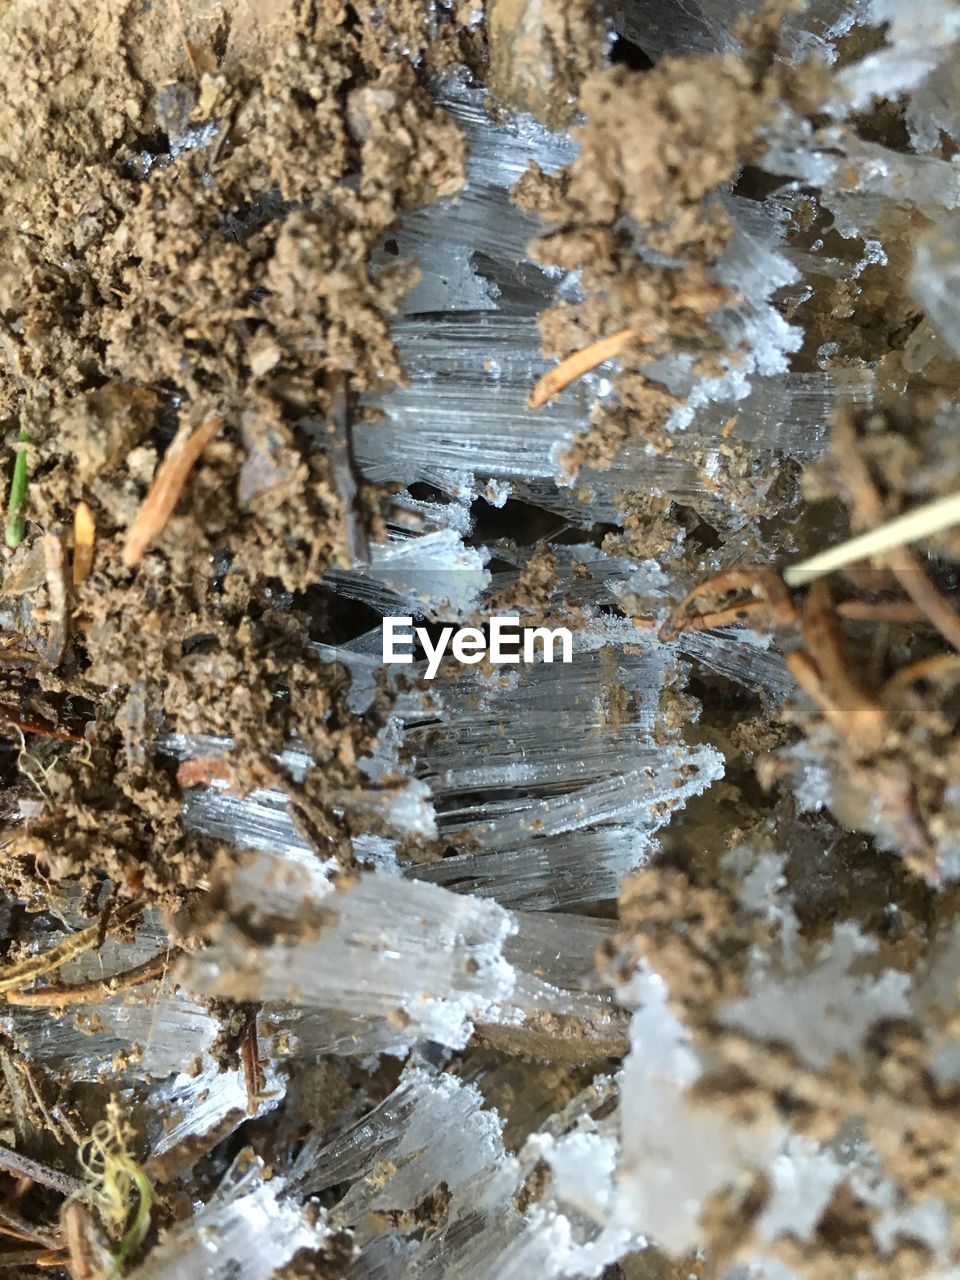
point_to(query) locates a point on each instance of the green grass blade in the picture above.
(16, 519)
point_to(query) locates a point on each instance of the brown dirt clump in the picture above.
(540, 54)
(190, 208)
(656, 146)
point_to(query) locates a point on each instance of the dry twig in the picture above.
(581, 362)
(167, 486)
(21, 1166)
(8, 715)
(250, 1059)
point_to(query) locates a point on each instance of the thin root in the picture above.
(902, 561)
(938, 667)
(14, 1224)
(93, 992)
(54, 1128)
(847, 705)
(904, 611)
(16, 976)
(909, 571)
(726, 617)
(703, 607)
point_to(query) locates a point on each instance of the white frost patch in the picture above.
(821, 1010)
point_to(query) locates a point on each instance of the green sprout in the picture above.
(16, 520)
(115, 1181)
(137, 1231)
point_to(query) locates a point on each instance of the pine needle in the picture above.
(922, 522)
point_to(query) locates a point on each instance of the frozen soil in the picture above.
(194, 198)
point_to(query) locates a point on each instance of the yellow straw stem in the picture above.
(922, 522)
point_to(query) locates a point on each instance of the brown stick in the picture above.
(880, 611)
(581, 362)
(167, 486)
(53, 997)
(14, 1224)
(250, 1058)
(23, 1167)
(9, 716)
(346, 473)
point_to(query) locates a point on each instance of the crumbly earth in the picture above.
(190, 208)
